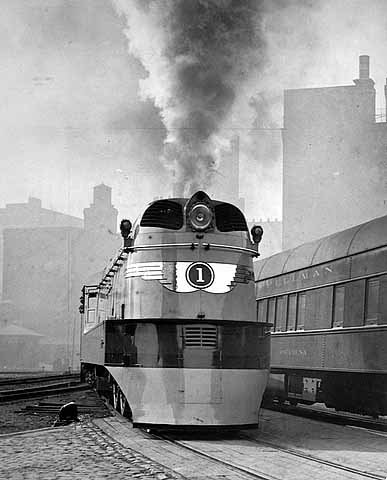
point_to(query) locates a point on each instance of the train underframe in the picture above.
(360, 393)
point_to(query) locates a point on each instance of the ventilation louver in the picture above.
(203, 336)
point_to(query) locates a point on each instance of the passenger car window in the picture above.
(372, 301)
(338, 306)
(292, 311)
(301, 310)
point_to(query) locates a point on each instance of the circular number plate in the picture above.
(200, 275)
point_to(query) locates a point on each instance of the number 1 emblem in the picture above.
(200, 275)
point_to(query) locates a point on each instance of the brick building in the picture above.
(45, 268)
(30, 215)
(334, 159)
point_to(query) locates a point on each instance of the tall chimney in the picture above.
(364, 79)
(364, 67)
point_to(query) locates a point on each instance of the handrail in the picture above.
(192, 246)
(133, 248)
(207, 246)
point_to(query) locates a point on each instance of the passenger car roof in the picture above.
(363, 237)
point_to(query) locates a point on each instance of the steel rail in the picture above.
(44, 391)
(298, 453)
(237, 468)
(288, 451)
(350, 419)
(38, 379)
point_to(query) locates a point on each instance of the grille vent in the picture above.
(229, 218)
(163, 214)
(204, 336)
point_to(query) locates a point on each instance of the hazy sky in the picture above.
(73, 115)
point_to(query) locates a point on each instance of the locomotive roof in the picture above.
(363, 237)
(183, 201)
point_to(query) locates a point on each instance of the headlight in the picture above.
(200, 217)
(256, 233)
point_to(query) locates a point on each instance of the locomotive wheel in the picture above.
(116, 396)
(90, 377)
(124, 405)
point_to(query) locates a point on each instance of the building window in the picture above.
(262, 311)
(271, 312)
(280, 320)
(372, 301)
(301, 311)
(338, 306)
(292, 311)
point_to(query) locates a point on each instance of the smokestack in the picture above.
(364, 67)
(364, 79)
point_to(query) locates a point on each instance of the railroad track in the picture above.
(37, 379)
(309, 466)
(65, 386)
(244, 471)
(312, 458)
(339, 418)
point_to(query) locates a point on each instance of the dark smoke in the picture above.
(198, 53)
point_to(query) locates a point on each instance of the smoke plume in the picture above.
(197, 53)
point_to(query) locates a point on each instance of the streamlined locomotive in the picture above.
(170, 332)
(327, 302)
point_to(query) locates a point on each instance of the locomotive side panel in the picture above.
(93, 345)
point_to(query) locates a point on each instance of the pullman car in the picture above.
(170, 333)
(327, 301)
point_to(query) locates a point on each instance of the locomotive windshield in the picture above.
(169, 214)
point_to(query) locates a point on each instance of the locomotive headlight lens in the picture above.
(200, 217)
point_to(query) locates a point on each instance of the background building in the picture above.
(44, 270)
(334, 159)
(28, 215)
